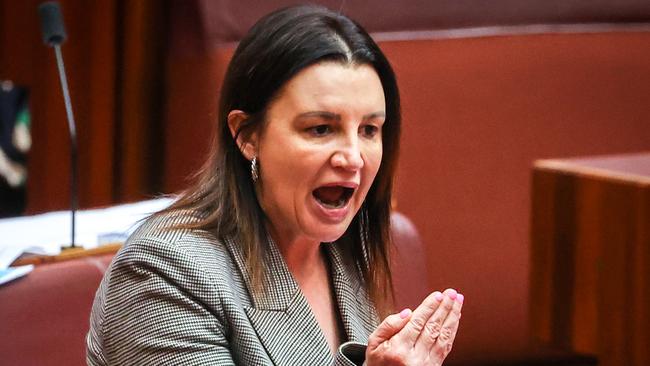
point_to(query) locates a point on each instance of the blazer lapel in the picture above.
(281, 315)
(358, 315)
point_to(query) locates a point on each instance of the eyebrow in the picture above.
(337, 117)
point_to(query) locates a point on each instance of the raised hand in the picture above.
(422, 337)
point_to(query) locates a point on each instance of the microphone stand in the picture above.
(54, 35)
(73, 140)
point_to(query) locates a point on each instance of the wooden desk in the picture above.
(590, 254)
(67, 254)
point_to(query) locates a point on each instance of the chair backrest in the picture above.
(45, 315)
(408, 263)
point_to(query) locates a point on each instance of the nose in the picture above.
(348, 155)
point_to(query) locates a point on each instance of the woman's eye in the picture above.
(320, 130)
(370, 130)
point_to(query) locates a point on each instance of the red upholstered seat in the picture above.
(44, 316)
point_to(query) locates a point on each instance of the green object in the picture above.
(24, 117)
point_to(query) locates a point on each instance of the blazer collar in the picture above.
(282, 309)
(279, 286)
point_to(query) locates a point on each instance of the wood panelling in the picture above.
(590, 277)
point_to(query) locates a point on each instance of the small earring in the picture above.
(254, 170)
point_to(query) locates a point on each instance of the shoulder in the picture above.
(167, 283)
(165, 258)
(164, 241)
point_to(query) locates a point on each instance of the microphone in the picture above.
(51, 23)
(54, 35)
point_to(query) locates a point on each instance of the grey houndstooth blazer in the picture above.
(181, 297)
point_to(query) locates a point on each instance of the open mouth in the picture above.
(333, 197)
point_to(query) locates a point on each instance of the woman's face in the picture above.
(319, 150)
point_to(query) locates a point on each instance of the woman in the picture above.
(279, 253)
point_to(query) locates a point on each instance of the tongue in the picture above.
(329, 194)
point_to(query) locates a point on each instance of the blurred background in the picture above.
(488, 87)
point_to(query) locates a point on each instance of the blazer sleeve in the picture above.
(350, 354)
(150, 309)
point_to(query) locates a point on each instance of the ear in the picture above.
(247, 142)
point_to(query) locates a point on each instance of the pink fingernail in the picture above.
(451, 293)
(438, 296)
(460, 298)
(405, 313)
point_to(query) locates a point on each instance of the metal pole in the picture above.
(73, 140)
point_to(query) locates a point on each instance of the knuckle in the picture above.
(388, 324)
(433, 328)
(432, 338)
(417, 323)
(448, 347)
(448, 305)
(441, 352)
(445, 335)
(389, 320)
(374, 341)
(430, 306)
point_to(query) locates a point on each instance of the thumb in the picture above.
(388, 328)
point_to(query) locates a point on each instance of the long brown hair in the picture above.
(275, 49)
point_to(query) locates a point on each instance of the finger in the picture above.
(434, 324)
(409, 334)
(388, 328)
(445, 341)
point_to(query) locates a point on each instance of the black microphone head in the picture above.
(51, 23)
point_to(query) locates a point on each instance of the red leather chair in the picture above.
(44, 316)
